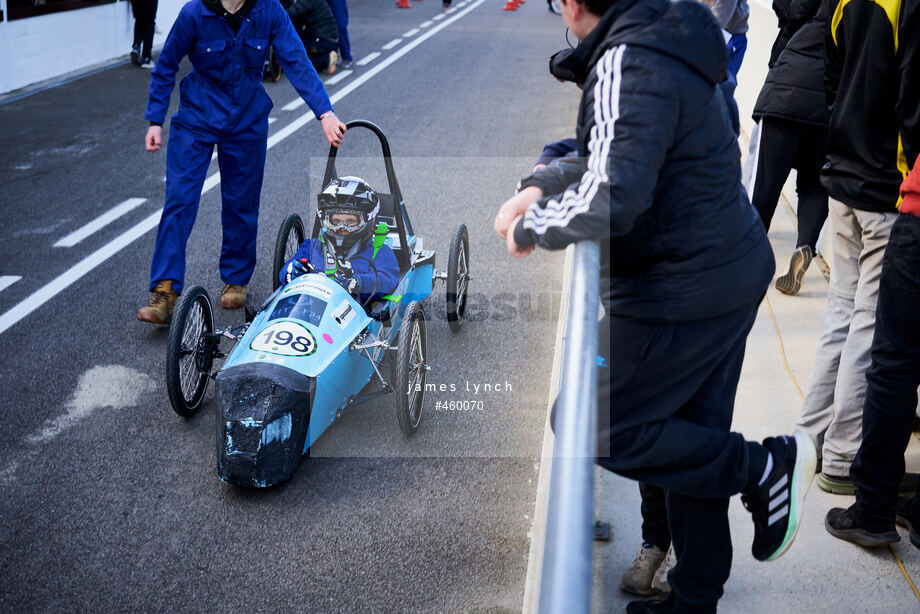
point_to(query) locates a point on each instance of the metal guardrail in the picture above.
(565, 585)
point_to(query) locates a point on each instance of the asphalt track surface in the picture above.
(110, 502)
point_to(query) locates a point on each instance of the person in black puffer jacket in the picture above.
(685, 265)
(316, 26)
(793, 116)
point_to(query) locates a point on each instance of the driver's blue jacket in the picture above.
(223, 93)
(382, 275)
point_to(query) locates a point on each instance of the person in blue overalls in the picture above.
(351, 246)
(221, 102)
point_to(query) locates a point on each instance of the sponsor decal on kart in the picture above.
(308, 286)
(343, 314)
(285, 338)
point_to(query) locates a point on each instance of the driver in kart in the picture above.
(350, 247)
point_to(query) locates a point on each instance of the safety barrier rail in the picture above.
(565, 585)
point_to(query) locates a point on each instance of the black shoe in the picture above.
(653, 606)
(776, 505)
(136, 55)
(904, 516)
(846, 524)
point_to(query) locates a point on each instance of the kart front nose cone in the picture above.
(263, 415)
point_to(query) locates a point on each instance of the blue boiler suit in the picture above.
(221, 102)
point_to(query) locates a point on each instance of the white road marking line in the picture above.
(294, 104)
(368, 58)
(766, 4)
(339, 77)
(272, 120)
(410, 33)
(8, 280)
(439, 17)
(74, 273)
(392, 43)
(100, 222)
(425, 24)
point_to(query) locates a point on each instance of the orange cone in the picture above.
(403, 4)
(510, 6)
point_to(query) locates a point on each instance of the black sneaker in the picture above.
(136, 55)
(846, 524)
(776, 505)
(904, 516)
(653, 606)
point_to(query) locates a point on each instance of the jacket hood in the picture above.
(684, 30)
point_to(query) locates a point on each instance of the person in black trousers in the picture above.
(145, 15)
(657, 180)
(793, 115)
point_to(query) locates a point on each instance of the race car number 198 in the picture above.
(285, 338)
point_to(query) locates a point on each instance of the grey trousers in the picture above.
(832, 413)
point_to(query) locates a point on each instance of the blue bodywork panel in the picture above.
(294, 370)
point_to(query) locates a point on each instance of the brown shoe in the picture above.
(162, 303)
(233, 297)
(637, 580)
(660, 579)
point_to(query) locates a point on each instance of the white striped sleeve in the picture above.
(595, 181)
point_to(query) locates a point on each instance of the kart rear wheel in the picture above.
(458, 276)
(290, 236)
(409, 369)
(186, 380)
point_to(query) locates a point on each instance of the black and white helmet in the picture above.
(348, 195)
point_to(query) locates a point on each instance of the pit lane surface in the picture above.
(110, 502)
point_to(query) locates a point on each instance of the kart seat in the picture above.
(388, 214)
(387, 208)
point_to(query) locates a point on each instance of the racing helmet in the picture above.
(350, 195)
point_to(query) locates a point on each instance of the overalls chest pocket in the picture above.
(211, 56)
(254, 51)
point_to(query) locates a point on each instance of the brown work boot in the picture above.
(233, 297)
(162, 303)
(660, 579)
(638, 578)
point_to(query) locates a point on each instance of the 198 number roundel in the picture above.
(285, 338)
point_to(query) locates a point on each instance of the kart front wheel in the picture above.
(290, 236)
(458, 276)
(187, 366)
(409, 369)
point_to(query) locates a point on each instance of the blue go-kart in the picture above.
(309, 353)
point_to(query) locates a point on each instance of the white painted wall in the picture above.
(37, 49)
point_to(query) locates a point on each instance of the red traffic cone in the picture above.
(403, 4)
(510, 6)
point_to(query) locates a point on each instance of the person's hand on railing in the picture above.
(515, 207)
(514, 249)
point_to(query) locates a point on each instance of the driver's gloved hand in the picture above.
(296, 268)
(352, 284)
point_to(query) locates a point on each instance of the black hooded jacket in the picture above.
(794, 87)
(658, 178)
(312, 19)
